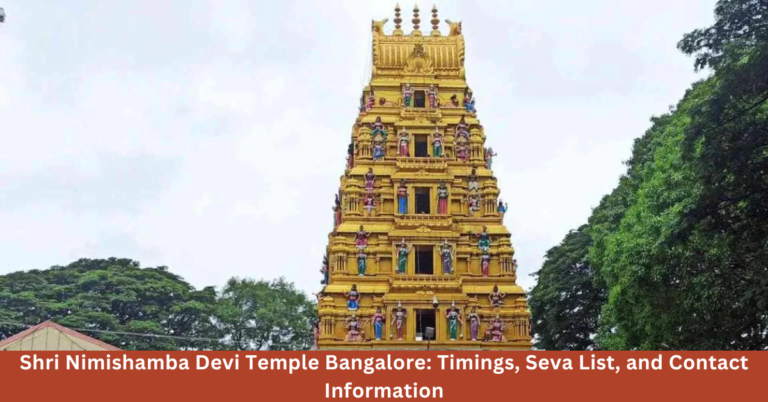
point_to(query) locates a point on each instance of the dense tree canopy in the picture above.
(566, 304)
(681, 245)
(259, 315)
(137, 308)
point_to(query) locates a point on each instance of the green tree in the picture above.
(686, 268)
(110, 295)
(566, 300)
(261, 315)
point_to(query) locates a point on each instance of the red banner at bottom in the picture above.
(449, 376)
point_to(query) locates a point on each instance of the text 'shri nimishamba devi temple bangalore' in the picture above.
(419, 256)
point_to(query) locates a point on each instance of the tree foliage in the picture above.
(108, 295)
(260, 315)
(566, 302)
(681, 245)
(115, 299)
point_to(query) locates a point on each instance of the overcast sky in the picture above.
(209, 136)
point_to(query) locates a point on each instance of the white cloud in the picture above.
(210, 136)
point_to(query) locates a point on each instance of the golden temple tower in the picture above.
(415, 199)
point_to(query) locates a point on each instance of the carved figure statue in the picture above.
(484, 239)
(404, 141)
(446, 252)
(370, 177)
(472, 181)
(495, 332)
(402, 257)
(454, 28)
(371, 101)
(489, 154)
(469, 102)
(378, 26)
(369, 203)
(402, 198)
(437, 143)
(473, 200)
(324, 270)
(495, 297)
(361, 238)
(474, 324)
(377, 128)
(485, 261)
(462, 149)
(398, 320)
(502, 208)
(351, 156)
(432, 94)
(442, 198)
(378, 323)
(354, 332)
(407, 95)
(361, 262)
(462, 129)
(336, 212)
(353, 298)
(454, 100)
(378, 149)
(454, 321)
(336, 217)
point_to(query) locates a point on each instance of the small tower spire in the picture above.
(435, 21)
(416, 21)
(398, 20)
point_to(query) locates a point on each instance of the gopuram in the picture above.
(419, 256)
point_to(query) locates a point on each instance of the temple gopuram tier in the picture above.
(419, 256)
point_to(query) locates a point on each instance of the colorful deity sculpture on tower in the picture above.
(378, 129)
(354, 332)
(474, 324)
(353, 298)
(489, 154)
(402, 198)
(378, 323)
(496, 296)
(418, 246)
(469, 102)
(432, 93)
(370, 178)
(485, 261)
(501, 209)
(496, 329)
(446, 254)
(361, 262)
(442, 198)
(437, 143)
(369, 104)
(473, 202)
(398, 320)
(407, 94)
(361, 238)
(402, 257)
(454, 321)
(324, 270)
(404, 143)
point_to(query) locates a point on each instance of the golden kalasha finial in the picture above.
(398, 20)
(435, 21)
(416, 21)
